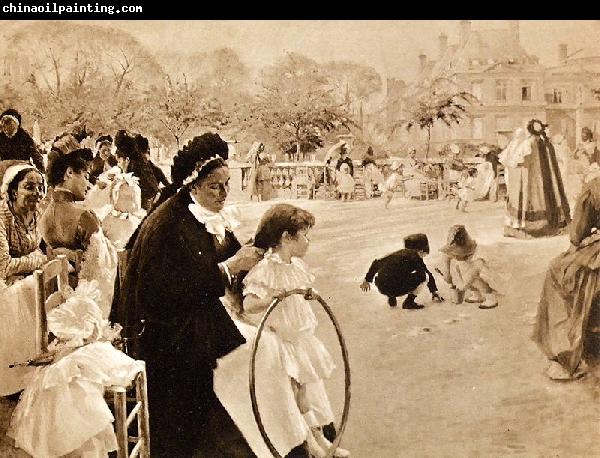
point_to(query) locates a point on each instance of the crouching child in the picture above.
(467, 273)
(403, 273)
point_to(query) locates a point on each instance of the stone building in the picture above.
(570, 100)
(508, 83)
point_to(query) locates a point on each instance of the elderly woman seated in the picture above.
(22, 188)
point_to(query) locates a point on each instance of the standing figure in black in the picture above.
(15, 143)
(403, 273)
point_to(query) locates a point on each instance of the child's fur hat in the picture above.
(417, 242)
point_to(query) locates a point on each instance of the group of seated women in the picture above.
(44, 215)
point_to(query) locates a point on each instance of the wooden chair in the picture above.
(55, 273)
(428, 190)
(53, 276)
(124, 418)
(74, 257)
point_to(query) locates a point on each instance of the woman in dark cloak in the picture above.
(183, 258)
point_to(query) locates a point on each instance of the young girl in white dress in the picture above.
(290, 377)
(391, 182)
(345, 182)
(466, 187)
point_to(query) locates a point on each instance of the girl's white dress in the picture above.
(466, 189)
(345, 180)
(391, 182)
(476, 267)
(288, 350)
(62, 410)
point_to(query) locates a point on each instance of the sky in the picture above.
(391, 47)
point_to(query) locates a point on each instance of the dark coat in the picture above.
(400, 273)
(148, 182)
(492, 158)
(21, 147)
(174, 283)
(97, 166)
(346, 160)
(159, 175)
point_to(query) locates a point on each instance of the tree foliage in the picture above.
(63, 73)
(433, 103)
(297, 105)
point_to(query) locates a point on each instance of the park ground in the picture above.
(449, 380)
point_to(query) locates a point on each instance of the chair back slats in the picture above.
(41, 330)
(57, 269)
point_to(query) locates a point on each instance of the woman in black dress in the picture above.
(183, 258)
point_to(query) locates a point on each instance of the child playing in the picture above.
(466, 272)
(391, 182)
(403, 273)
(466, 186)
(295, 362)
(345, 182)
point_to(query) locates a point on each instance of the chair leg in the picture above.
(141, 394)
(120, 400)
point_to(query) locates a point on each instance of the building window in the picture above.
(476, 90)
(477, 128)
(557, 96)
(526, 93)
(501, 90)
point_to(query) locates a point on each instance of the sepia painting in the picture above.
(280, 238)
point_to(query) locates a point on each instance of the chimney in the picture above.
(562, 53)
(513, 27)
(443, 44)
(422, 61)
(465, 31)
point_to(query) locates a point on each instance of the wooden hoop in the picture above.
(308, 294)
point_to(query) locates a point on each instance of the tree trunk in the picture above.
(297, 151)
(428, 142)
(177, 141)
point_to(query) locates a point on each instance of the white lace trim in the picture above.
(272, 273)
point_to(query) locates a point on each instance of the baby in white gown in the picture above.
(62, 410)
